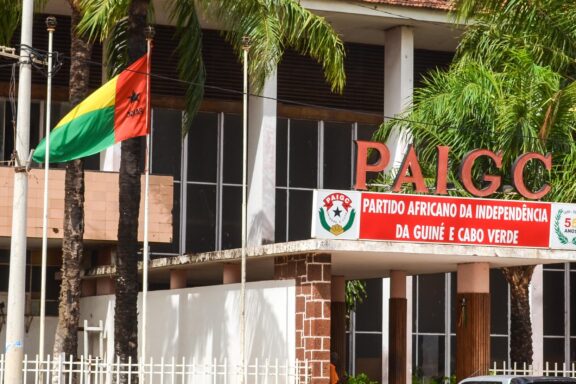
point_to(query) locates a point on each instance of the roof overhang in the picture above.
(353, 259)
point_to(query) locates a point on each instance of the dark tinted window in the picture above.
(232, 149)
(369, 312)
(201, 218)
(498, 302)
(553, 303)
(337, 155)
(231, 217)
(300, 223)
(280, 218)
(431, 303)
(167, 142)
(303, 153)
(202, 148)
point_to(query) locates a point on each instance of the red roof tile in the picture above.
(432, 4)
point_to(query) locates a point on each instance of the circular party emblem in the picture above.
(336, 213)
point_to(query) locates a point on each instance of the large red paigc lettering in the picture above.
(518, 175)
(362, 166)
(465, 173)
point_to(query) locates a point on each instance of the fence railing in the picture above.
(548, 369)
(100, 371)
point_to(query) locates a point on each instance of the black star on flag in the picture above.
(134, 97)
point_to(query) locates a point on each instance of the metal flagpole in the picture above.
(149, 36)
(51, 27)
(245, 48)
(16, 290)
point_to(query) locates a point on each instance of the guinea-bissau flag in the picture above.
(114, 112)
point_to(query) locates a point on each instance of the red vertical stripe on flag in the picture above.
(131, 102)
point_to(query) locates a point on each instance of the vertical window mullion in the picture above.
(447, 322)
(509, 323)
(219, 181)
(352, 159)
(567, 314)
(287, 180)
(183, 190)
(2, 127)
(417, 319)
(320, 178)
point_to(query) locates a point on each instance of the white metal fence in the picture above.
(528, 370)
(99, 371)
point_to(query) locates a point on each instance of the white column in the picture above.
(110, 159)
(398, 85)
(262, 165)
(537, 317)
(408, 329)
(385, 315)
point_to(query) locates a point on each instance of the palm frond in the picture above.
(311, 35)
(116, 48)
(273, 26)
(101, 16)
(10, 17)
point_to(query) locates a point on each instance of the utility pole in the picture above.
(16, 286)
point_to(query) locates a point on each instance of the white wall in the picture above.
(204, 323)
(32, 336)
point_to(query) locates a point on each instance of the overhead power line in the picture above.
(61, 58)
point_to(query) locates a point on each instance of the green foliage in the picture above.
(515, 108)
(10, 17)
(272, 26)
(355, 294)
(361, 378)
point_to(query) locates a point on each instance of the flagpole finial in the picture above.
(150, 32)
(51, 23)
(245, 43)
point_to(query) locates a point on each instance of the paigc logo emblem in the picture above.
(336, 213)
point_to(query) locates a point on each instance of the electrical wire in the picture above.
(63, 57)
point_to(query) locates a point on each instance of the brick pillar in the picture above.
(397, 329)
(338, 323)
(88, 287)
(312, 274)
(105, 286)
(472, 320)
(231, 273)
(178, 278)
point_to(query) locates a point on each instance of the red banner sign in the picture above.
(454, 220)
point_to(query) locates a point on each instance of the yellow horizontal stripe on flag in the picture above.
(103, 97)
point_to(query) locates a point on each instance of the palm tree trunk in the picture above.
(520, 325)
(126, 314)
(66, 338)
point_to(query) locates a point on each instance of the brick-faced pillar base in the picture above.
(472, 320)
(338, 323)
(397, 341)
(312, 274)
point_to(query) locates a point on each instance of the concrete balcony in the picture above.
(100, 206)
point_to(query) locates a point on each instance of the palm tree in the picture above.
(66, 337)
(271, 26)
(519, 106)
(544, 29)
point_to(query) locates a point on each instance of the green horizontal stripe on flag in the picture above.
(86, 135)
